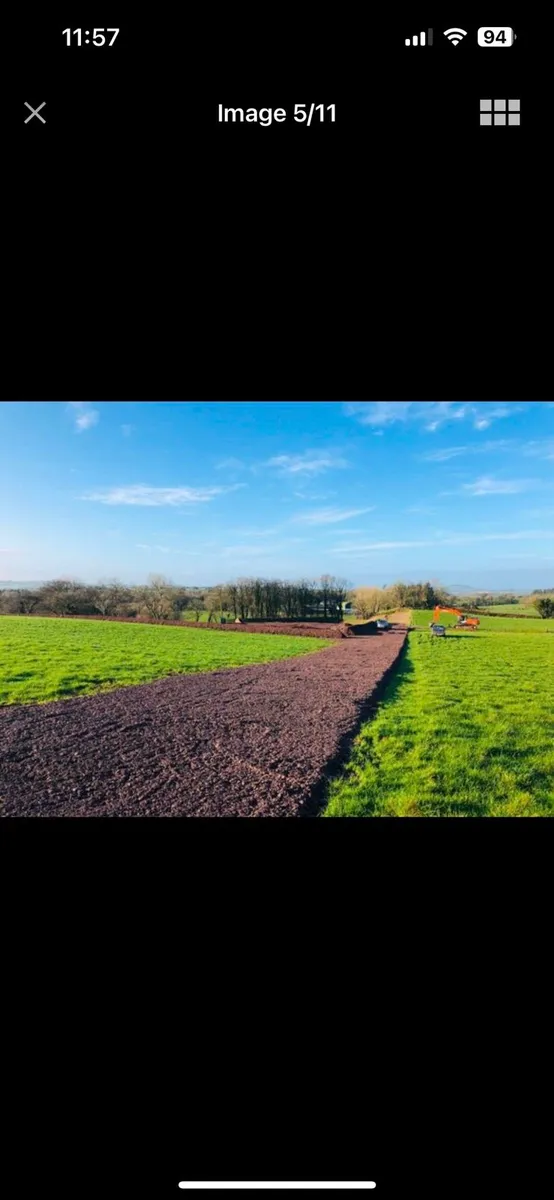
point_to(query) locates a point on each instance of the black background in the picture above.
(209, 998)
(401, 249)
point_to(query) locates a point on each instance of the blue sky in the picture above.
(207, 491)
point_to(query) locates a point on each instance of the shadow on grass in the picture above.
(457, 808)
(522, 760)
(472, 636)
(397, 676)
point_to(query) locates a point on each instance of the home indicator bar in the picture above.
(278, 1186)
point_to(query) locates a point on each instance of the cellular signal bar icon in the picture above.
(420, 39)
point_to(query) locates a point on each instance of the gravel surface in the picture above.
(318, 629)
(251, 741)
(294, 629)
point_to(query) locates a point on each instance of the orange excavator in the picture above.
(463, 621)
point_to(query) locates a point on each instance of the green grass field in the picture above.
(43, 659)
(526, 610)
(492, 624)
(466, 728)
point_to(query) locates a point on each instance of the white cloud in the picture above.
(230, 464)
(498, 444)
(87, 420)
(314, 495)
(368, 546)
(453, 540)
(487, 486)
(143, 546)
(312, 462)
(445, 455)
(539, 449)
(329, 516)
(388, 412)
(248, 533)
(479, 448)
(156, 497)
(434, 413)
(246, 550)
(84, 416)
(504, 410)
(379, 412)
(348, 532)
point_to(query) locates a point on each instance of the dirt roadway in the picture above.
(253, 741)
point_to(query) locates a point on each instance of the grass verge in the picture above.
(43, 660)
(465, 729)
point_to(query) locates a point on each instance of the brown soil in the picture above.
(401, 617)
(290, 629)
(287, 628)
(253, 741)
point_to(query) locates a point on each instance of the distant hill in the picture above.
(461, 589)
(16, 585)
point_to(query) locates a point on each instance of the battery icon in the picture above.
(495, 35)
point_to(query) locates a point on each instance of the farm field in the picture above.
(400, 617)
(43, 659)
(488, 624)
(524, 610)
(465, 728)
(258, 742)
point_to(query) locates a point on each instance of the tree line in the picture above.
(545, 606)
(246, 599)
(369, 601)
(161, 600)
(485, 599)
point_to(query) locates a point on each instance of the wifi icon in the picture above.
(455, 35)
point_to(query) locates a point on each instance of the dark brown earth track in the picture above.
(251, 741)
(292, 629)
(318, 629)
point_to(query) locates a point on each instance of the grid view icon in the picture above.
(499, 112)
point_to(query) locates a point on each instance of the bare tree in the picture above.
(65, 597)
(339, 589)
(324, 595)
(197, 604)
(232, 595)
(545, 607)
(28, 600)
(217, 601)
(180, 600)
(8, 602)
(156, 598)
(19, 601)
(368, 601)
(109, 597)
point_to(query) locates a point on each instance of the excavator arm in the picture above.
(439, 609)
(467, 622)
